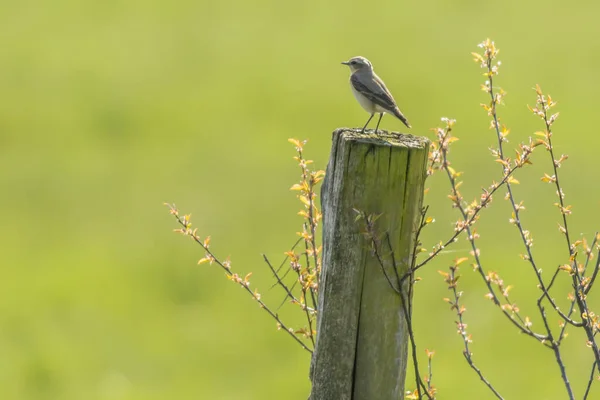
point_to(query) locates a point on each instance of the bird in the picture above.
(371, 92)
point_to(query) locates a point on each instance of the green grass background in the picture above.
(108, 109)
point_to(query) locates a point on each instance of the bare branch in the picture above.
(590, 381)
(243, 282)
(451, 279)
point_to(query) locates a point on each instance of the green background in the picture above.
(108, 109)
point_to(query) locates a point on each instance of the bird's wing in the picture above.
(373, 88)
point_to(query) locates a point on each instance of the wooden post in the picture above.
(362, 336)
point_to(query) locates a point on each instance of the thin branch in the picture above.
(590, 381)
(416, 246)
(413, 345)
(311, 180)
(243, 282)
(563, 329)
(457, 200)
(491, 52)
(307, 310)
(371, 234)
(395, 268)
(555, 165)
(525, 235)
(451, 279)
(584, 310)
(463, 225)
(279, 281)
(304, 279)
(550, 284)
(589, 253)
(406, 300)
(285, 259)
(407, 307)
(580, 298)
(430, 372)
(587, 288)
(310, 288)
(594, 274)
(555, 346)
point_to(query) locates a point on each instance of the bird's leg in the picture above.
(369, 120)
(380, 116)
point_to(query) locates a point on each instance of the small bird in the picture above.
(370, 91)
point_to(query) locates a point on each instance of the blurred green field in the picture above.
(108, 109)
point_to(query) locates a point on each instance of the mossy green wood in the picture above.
(362, 339)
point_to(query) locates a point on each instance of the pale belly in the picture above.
(367, 104)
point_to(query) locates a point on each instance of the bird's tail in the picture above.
(401, 117)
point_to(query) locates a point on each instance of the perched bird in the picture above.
(370, 91)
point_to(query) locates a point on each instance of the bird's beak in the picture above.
(345, 62)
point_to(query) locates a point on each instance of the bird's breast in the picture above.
(367, 104)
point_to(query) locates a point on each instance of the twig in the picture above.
(287, 290)
(457, 200)
(413, 344)
(406, 300)
(310, 288)
(463, 225)
(594, 274)
(590, 381)
(407, 306)
(310, 179)
(490, 53)
(580, 298)
(416, 246)
(285, 259)
(587, 288)
(555, 346)
(372, 236)
(525, 235)
(279, 281)
(429, 370)
(451, 279)
(243, 282)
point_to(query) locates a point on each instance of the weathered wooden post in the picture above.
(362, 337)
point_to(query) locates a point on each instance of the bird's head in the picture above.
(358, 63)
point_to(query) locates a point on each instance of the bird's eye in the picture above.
(353, 62)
